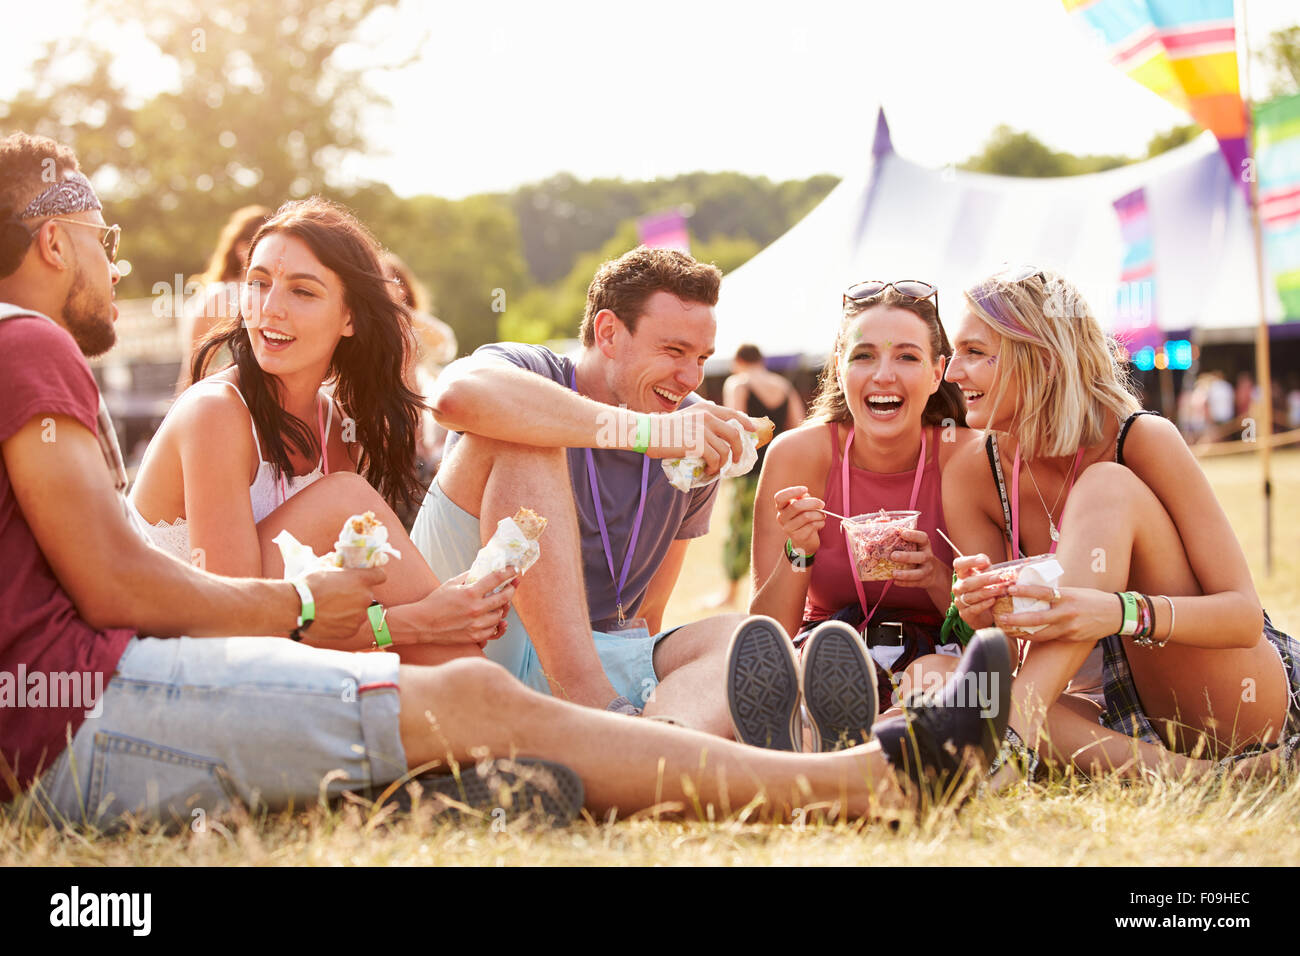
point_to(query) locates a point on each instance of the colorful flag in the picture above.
(1277, 155)
(1135, 308)
(665, 230)
(1184, 50)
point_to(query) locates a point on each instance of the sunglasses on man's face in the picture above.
(109, 240)
(912, 288)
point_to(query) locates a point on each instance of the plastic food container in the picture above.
(872, 537)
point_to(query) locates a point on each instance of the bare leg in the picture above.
(492, 480)
(315, 515)
(1073, 736)
(1116, 536)
(691, 665)
(468, 710)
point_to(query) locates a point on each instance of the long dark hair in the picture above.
(944, 407)
(367, 365)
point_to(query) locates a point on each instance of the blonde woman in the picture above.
(1156, 620)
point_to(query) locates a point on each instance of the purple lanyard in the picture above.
(600, 516)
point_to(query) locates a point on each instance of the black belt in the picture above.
(885, 634)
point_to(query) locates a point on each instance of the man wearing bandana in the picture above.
(178, 724)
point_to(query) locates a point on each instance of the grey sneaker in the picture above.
(500, 788)
(839, 687)
(763, 685)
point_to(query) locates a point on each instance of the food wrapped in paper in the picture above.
(299, 558)
(687, 473)
(1042, 570)
(514, 544)
(363, 543)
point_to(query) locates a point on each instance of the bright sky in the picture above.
(507, 93)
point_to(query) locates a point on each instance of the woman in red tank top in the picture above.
(885, 420)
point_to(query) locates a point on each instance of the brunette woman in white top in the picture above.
(261, 445)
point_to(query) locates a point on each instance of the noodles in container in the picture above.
(1042, 570)
(362, 543)
(873, 537)
(514, 544)
(687, 473)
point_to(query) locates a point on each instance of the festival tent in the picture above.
(896, 219)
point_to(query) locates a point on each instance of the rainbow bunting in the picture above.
(1277, 151)
(1184, 50)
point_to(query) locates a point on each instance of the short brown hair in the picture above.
(622, 285)
(28, 164)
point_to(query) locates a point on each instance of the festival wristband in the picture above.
(307, 612)
(641, 443)
(799, 560)
(377, 614)
(1128, 601)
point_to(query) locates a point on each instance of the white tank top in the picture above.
(265, 493)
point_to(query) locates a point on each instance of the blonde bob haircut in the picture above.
(1068, 373)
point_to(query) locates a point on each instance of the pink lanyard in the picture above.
(911, 506)
(324, 458)
(1015, 502)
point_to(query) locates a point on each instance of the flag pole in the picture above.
(1263, 371)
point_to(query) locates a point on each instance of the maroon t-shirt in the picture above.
(44, 644)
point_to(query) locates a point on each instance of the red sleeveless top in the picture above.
(831, 587)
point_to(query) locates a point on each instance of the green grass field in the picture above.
(1160, 822)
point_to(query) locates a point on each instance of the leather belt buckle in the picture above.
(885, 634)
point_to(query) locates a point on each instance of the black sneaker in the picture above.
(957, 727)
(839, 687)
(500, 789)
(763, 685)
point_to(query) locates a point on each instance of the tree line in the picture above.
(261, 108)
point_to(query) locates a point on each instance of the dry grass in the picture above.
(1160, 822)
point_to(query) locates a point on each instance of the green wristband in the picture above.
(641, 443)
(307, 613)
(377, 612)
(1129, 599)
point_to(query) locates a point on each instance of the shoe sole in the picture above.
(839, 686)
(501, 789)
(763, 685)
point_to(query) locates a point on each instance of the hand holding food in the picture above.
(874, 537)
(687, 473)
(513, 545)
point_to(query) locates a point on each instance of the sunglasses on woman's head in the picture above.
(912, 288)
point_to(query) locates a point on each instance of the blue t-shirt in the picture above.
(670, 515)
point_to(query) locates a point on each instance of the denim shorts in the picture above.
(448, 536)
(191, 724)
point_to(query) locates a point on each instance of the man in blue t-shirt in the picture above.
(575, 441)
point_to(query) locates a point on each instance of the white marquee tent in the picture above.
(899, 220)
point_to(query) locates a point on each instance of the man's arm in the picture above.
(661, 585)
(116, 579)
(495, 399)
